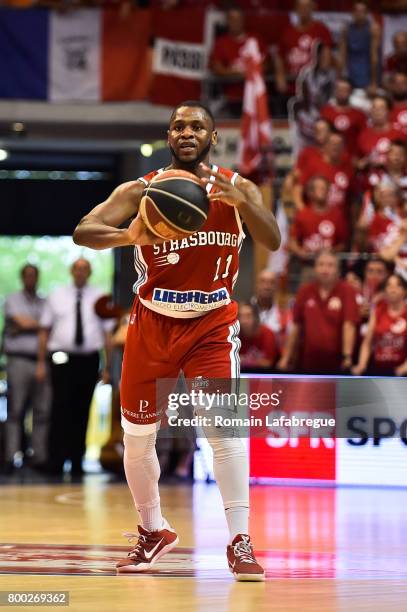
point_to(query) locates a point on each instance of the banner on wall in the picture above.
(87, 55)
(180, 56)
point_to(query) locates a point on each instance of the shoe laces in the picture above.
(141, 539)
(244, 550)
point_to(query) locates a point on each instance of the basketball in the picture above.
(174, 205)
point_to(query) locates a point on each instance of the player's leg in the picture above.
(144, 362)
(216, 356)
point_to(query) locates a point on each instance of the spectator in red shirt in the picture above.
(325, 319)
(346, 119)
(398, 89)
(374, 141)
(296, 43)
(271, 313)
(394, 171)
(384, 348)
(382, 227)
(395, 247)
(259, 347)
(309, 155)
(316, 226)
(226, 59)
(397, 61)
(337, 171)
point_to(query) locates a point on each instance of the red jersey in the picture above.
(308, 155)
(398, 117)
(375, 144)
(295, 46)
(390, 338)
(194, 275)
(339, 176)
(315, 230)
(321, 322)
(260, 350)
(347, 120)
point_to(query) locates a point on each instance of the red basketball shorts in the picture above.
(158, 346)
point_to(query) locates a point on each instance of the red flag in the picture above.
(256, 131)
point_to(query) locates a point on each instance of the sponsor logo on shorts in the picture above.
(190, 300)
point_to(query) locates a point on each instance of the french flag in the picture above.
(86, 55)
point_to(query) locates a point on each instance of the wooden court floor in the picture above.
(323, 549)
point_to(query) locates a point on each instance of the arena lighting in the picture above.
(146, 150)
(3, 154)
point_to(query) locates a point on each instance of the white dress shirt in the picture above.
(59, 316)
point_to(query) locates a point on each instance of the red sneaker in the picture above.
(241, 559)
(151, 545)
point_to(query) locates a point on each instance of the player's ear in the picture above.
(214, 138)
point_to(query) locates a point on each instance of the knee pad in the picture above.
(137, 448)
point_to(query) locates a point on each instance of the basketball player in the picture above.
(164, 337)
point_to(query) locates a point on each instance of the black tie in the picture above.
(79, 326)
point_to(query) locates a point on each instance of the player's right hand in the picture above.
(138, 233)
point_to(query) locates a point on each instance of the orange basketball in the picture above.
(174, 204)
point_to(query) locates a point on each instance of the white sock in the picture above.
(142, 473)
(231, 469)
(238, 521)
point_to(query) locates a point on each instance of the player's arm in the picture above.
(247, 198)
(99, 229)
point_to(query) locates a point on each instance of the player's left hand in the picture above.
(228, 193)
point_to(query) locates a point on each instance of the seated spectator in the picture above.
(395, 247)
(374, 141)
(359, 48)
(317, 227)
(394, 171)
(397, 61)
(271, 313)
(335, 169)
(259, 349)
(384, 349)
(398, 89)
(295, 45)
(382, 225)
(325, 319)
(347, 120)
(369, 290)
(226, 59)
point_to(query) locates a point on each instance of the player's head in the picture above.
(81, 270)
(326, 268)
(29, 275)
(191, 134)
